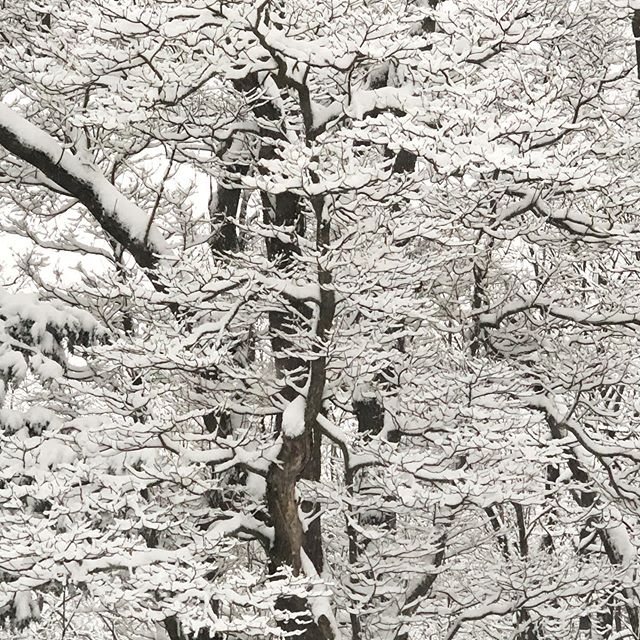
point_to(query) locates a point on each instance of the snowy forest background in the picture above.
(319, 319)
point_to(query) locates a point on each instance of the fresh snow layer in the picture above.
(293, 418)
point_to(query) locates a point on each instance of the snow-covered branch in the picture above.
(119, 217)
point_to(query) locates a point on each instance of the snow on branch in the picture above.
(118, 216)
(616, 535)
(577, 222)
(594, 447)
(479, 612)
(561, 312)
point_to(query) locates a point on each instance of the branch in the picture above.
(122, 219)
(479, 612)
(561, 312)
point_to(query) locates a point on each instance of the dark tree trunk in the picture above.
(299, 456)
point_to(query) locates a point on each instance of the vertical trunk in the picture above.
(299, 456)
(223, 209)
(224, 205)
(313, 534)
(635, 26)
(591, 530)
(527, 629)
(295, 453)
(369, 407)
(284, 211)
(283, 506)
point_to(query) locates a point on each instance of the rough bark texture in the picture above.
(224, 206)
(299, 456)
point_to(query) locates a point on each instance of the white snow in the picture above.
(293, 418)
(25, 606)
(50, 453)
(367, 100)
(12, 363)
(320, 596)
(619, 538)
(579, 316)
(46, 368)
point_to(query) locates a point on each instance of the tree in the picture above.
(353, 323)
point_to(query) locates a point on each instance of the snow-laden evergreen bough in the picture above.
(331, 319)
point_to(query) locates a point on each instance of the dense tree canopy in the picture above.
(319, 319)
